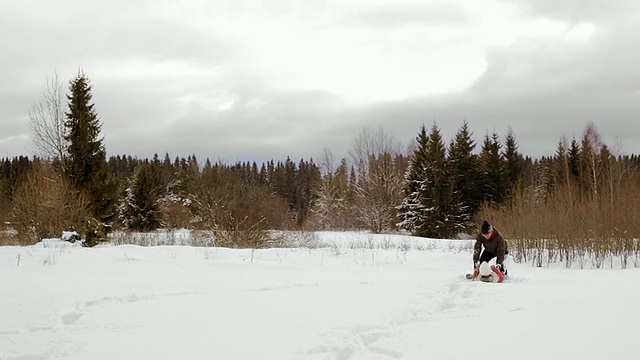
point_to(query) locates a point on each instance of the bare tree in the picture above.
(379, 178)
(592, 146)
(45, 205)
(372, 143)
(330, 204)
(46, 120)
(233, 214)
(327, 162)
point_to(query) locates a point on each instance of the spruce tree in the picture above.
(465, 171)
(140, 208)
(494, 183)
(85, 162)
(562, 175)
(513, 162)
(429, 208)
(441, 212)
(574, 160)
(411, 210)
(306, 179)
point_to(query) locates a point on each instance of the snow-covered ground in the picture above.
(59, 301)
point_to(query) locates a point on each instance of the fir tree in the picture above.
(411, 210)
(513, 162)
(140, 208)
(561, 165)
(441, 212)
(465, 172)
(428, 208)
(85, 162)
(574, 160)
(494, 183)
(306, 180)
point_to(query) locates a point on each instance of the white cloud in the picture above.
(581, 32)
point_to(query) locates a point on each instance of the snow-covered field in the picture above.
(59, 301)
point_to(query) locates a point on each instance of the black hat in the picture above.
(486, 228)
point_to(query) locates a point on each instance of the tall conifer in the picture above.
(429, 207)
(411, 210)
(513, 162)
(140, 208)
(441, 210)
(465, 170)
(494, 183)
(85, 162)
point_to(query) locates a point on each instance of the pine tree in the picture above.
(306, 179)
(465, 171)
(411, 210)
(140, 208)
(440, 210)
(429, 208)
(562, 174)
(513, 162)
(188, 178)
(85, 162)
(494, 183)
(574, 160)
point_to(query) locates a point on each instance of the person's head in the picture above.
(486, 229)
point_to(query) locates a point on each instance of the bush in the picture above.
(44, 205)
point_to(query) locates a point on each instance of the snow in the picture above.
(351, 300)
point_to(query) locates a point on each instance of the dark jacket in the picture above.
(495, 245)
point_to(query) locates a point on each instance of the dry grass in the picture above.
(8, 237)
(578, 230)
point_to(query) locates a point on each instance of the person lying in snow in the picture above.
(494, 246)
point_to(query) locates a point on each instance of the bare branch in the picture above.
(370, 143)
(46, 120)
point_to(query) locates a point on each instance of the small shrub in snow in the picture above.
(70, 236)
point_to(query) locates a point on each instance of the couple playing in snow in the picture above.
(494, 246)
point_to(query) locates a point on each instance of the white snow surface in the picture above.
(62, 301)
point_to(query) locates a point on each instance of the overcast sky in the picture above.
(245, 80)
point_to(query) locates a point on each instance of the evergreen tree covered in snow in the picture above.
(431, 207)
(440, 189)
(140, 208)
(411, 210)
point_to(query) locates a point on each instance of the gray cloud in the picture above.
(581, 10)
(187, 78)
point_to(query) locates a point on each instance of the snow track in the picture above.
(436, 301)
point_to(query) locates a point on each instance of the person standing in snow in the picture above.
(494, 246)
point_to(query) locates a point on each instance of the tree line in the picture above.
(432, 189)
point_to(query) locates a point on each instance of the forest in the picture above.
(584, 198)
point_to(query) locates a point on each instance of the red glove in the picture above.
(476, 273)
(499, 273)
